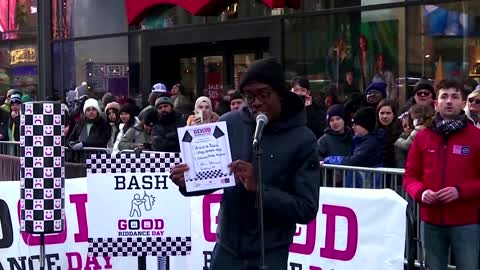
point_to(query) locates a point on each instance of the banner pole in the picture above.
(142, 263)
(42, 251)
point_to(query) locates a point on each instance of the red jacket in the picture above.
(434, 163)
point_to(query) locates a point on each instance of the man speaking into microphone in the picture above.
(290, 173)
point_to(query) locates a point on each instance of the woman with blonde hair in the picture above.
(203, 113)
(472, 109)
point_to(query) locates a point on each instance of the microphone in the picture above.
(262, 121)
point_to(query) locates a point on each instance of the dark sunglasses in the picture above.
(474, 100)
(423, 93)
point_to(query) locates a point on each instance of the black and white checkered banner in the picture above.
(42, 173)
(130, 197)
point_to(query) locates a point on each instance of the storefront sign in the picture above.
(354, 229)
(24, 55)
(137, 9)
(131, 213)
(64, 251)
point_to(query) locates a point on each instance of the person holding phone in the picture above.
(139, 137)
(203, 113)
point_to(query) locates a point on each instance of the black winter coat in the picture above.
(367, 150)
(164, 134)
(99, 133)
(316, 119)
(4, 119)
(291, 179)
(335, 144)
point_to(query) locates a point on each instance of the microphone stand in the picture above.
(258, 155)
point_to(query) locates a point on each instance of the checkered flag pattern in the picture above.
(136, 247)
(132, 163)
(205, 175)
(42, 171)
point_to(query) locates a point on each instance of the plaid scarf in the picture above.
(446, 127)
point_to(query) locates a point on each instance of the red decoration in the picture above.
(137, 9)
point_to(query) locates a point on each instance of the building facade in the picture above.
(125, 46)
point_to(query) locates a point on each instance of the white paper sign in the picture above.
(206, 150)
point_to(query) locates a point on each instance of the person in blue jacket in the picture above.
(368, 144)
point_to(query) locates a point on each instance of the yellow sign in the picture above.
(24, 55)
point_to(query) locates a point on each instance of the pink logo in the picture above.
(208, 201)
(202, 131)
(48, 108)
(37, 119)
(329, 251)
(57, 119)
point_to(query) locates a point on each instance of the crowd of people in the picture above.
(434, 137)
(366, 130)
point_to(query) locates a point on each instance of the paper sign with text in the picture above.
(206, 151)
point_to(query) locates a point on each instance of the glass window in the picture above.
(213, 72)
(18, 17)
(444, 42)
(72, 18)
(344, 53)
(102, 63)
(188, 73)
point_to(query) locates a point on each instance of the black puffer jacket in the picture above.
(290, 174)
(367, 150)
(99, 135)
(164, 134)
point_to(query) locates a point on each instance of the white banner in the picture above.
(354, 229)
(64, 251)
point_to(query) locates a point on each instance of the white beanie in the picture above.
(159, 87)
(91, 102)
(203, 99)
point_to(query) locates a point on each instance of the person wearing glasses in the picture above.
(290, 173)
(472, 110)
(424, 94)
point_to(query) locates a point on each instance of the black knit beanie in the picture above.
(426, 85)
(336, 110)
(365, 117)
(267, 71)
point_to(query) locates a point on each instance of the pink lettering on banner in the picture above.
(74, 260)
(80, 201)
(310, 238)
(208, 200)
(329, 251)
(50, 239)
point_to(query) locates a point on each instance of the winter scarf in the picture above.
(446, 127)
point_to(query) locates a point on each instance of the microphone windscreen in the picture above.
(262, 117)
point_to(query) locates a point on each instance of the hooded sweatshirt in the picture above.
(290, 175)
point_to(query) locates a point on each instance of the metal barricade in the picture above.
(392, 178)
(10, 148)
(81, 156)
